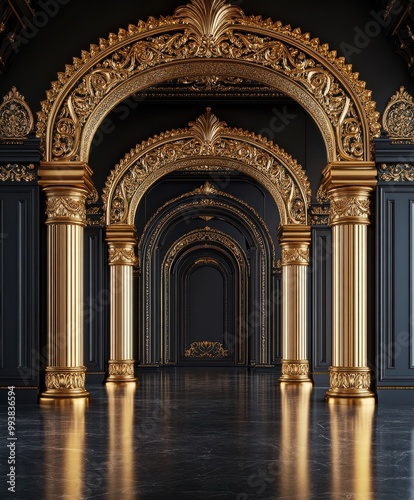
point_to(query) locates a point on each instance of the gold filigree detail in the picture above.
(65, 380)
(16, 118)
(397, 173)
(120, 255)
(295, 256)
(13, 172)
(321, 195)
(349, 206)
(319, 215)
(398, 117)
(66, 207)
(208, 136)
(206, 349)
(209, 29)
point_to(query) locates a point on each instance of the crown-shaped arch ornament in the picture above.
(202, 39)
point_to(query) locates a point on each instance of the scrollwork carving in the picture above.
(209, 29)
(208, 136)
(206, 349)
(13, 172)
(16, 119)
(398, 118)
(397, 173)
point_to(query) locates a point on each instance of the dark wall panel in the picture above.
(96, 301)
(395, 247)
(321, 304)
(19, 321)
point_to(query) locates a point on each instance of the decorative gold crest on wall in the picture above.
(16, 118)
(398, 118)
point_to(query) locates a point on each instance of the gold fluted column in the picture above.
(349, 186)
(66, 186)
(294, 241)
(121, 239)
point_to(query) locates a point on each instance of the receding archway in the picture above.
(207, 38)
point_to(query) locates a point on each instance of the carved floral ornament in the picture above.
(398, 118)
(207, 139)
(16, 119)
(207, 30)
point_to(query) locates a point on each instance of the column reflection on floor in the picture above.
(64, 424)
(351, 450)
(121, 471)
(294, 446)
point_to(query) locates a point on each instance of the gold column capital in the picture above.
(295, 241)
(70, 174)
(121, 239)
(349, 174)
(121, 233)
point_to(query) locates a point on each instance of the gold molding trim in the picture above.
(295, 371)
(206, 30)
(13, 172)
(206, 349)
(16, 118)
(121, 371)
(400, 172)
(349, 382)
(398, 117)
(207, 138)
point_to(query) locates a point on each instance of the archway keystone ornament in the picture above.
(204, 38)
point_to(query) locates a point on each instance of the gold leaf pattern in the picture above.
(206, 349)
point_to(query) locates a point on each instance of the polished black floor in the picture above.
(211, 434)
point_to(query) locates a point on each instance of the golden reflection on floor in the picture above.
(294, 446)
(121, 473)
(64, 422)
(352, 457)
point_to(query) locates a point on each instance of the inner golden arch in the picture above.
(210, 141)
(208, 37)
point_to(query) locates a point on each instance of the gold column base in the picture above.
(349, 382)
(121, 371)
(295, 371)
(66, 382)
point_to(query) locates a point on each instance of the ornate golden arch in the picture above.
(207, 37)
(207, 140)
(210, 38)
